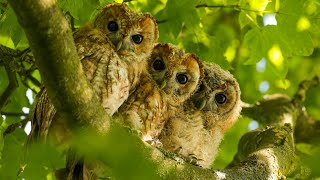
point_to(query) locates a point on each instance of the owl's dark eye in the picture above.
(182, 78)
(158, 65)
(220, 98)
(201, 88)
(113, 26)
(137, 38)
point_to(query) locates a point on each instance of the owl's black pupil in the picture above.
(220, 98)
(158, 65)
(182, 78)
(113, 26)
(137, 38)
(201, 88)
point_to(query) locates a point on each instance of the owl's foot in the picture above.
(192, 159)
(178, 158)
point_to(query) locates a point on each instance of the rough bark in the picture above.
(267, 153)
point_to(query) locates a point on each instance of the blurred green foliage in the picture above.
(231, 33)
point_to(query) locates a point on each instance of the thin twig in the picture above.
(14, 113)
(304, 86)
(11, 128)
(34, 81)
(234, 6)
(13, 84)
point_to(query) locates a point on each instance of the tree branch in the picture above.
(6, 57)
(279, 109)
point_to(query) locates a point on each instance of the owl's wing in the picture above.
(105, 70)
(41, 118)
(145, 109)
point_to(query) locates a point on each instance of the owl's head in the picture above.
(219, 94)
(175, 72)
(131, 32)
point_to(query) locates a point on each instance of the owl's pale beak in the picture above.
(119, 45)
(203, 104)
(163, 84)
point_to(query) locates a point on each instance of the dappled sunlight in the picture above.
(29, 96)
(287, 119)
(6, 41)
(303, 24)
(27, 128)
(264, 86)
(269, 19)
(273, 165)
(275, 56)
(26, 110)
(253, 125)
(261, 65)
(259, 5)
(200, 25)
(231, 51)
(220, 175)
(283, 83)
(47, 3)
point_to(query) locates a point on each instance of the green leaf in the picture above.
(16, 102)
(42, 159)
(175, 15)
(120, 151)
(12, 154)
(81, 10)
(10, 27)
(273, 41)
(253, 40)
(152, 7)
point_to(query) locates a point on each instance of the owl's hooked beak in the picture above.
(119, 45)
(124, 46)
(203, 104)
(163, 84)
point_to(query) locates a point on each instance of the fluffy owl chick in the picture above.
(113, 51)
(173, 76)
(198, 128)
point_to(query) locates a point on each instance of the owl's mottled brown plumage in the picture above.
(198, 128)
(111, 52)
(172, 77)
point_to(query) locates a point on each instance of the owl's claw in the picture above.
(192, 159)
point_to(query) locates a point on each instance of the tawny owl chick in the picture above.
(172, 77)
(197, 130)
(113, 51)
